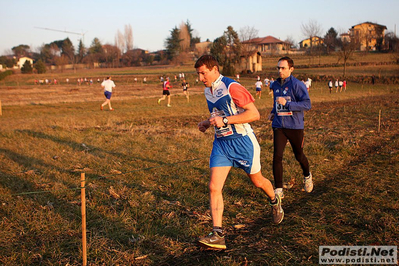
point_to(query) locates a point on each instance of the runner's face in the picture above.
(283, 69)
(207, 76)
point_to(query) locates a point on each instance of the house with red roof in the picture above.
(268, 45)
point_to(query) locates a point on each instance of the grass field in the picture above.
(147, 171)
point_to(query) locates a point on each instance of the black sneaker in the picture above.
(213, 240)
(277, 211)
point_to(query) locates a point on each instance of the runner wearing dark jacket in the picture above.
(291, 99)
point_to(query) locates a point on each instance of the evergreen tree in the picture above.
(81, 51)
(172, 43)
(21, 50)
(96, 52)
(40, 67)
(68, 50)
(227, 50)
(330, 40)
(26, 68)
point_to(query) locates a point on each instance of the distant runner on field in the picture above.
(107, 85)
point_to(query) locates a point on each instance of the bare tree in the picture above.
(61, 61)
(111, 54)
(120, 44)
(310, 30)
(128, 37)
(184, 36)
(246, 34)
(290, 40)
(120, 41)
(346, 51)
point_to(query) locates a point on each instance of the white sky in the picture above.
(152, 20)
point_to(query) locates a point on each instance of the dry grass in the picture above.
(147, 171)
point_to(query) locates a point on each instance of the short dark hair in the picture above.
(289, 61)
(207, 60)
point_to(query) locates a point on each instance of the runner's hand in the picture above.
(203, 125)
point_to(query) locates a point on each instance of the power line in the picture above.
(65, 31)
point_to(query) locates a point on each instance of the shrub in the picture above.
(40, 67)
(4, 74)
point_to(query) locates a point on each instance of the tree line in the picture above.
(180, 47)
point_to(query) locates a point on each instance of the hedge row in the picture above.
(4, 74)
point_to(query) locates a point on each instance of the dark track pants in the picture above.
(280, 137)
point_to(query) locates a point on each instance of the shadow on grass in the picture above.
(78, 146)
(354, 205)
(98, 224)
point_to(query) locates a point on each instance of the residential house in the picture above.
(21, 61)
(311, 42)
(345, 37)
(252, 62)
(268, 45)
(369, 35)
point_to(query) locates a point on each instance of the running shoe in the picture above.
(169, 105)
(308, 183)
(280, 192)
(101, 107)
(213, 240)
(159, 101)
(277, 211)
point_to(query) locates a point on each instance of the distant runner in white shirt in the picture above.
(107, 85)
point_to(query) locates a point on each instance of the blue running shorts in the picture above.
(108, 94)
(242, 152)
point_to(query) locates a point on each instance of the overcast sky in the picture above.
(152, 20)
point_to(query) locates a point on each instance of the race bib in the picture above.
(281, 109)
(221, 131)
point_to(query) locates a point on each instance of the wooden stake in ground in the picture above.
(0, 110)
(83, 207)
(379, 121)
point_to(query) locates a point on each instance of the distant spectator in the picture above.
(307, 84)
(340, 84)
(330, 85)
(185, 85)
(336, 85)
